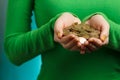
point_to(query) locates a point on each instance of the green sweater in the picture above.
(23, 44)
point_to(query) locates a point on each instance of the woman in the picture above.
(60, 54)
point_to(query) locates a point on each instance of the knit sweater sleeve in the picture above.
(21, 44)
(114, 33)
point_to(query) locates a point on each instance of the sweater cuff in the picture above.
(57, 16)
(99, 13)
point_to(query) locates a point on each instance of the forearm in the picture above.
(21, 47)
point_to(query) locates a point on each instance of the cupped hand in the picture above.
(98, 22)
(70, 41)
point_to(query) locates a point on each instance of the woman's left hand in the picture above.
(99, 23)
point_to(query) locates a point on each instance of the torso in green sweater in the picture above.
(65, 65)
(61, 64)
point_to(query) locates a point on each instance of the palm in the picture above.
(70, 41)
(63, 21)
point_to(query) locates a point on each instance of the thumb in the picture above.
(87, 22)
(59, 29)
(104, 33)
(77, 20)
(59, 33)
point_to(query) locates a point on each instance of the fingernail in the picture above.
(103, 38)
(59, 35)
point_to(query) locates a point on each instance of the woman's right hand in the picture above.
(70, 42)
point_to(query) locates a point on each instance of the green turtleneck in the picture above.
(23, 44)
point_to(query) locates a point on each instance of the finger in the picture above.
(75, 48)
(87, 49)
(67, 38)
(91, 47)
(77, 20)
(58, 29)
(86, 43)
(106, 41)
(82, 47)
(82, 50)
(96, 42)
(70, 44)
(56, 39)
(104, 32)
(87, 22)
(103, 37)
